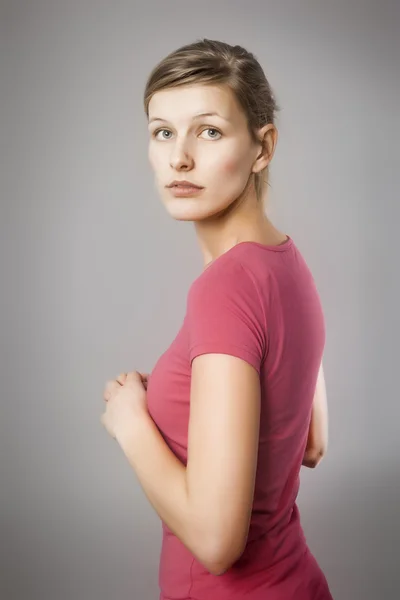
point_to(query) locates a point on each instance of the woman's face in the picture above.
(213, 151)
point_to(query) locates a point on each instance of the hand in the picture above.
(126, 400)
(144, 376)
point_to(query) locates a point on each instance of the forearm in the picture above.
(163, 479)
(318, 429)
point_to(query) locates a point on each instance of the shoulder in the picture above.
(225, 313)
(230, 277)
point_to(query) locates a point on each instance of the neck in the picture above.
(244, 220)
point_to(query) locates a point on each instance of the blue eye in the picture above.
(212, 129)
(155, 134)
(158, 131)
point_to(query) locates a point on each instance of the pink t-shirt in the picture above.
(258, 303)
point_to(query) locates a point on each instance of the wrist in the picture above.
(129, 430)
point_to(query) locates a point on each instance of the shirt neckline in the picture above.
(285, 245)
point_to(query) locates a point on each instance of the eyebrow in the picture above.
(205, 114)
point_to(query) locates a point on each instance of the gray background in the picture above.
(95, 274)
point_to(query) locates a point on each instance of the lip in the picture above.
(184, 191)
(184, 184)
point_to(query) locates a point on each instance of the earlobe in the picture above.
(268, 143)
(267, 136)
(262, 160)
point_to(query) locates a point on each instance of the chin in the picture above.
(186, 215)
(192, 209)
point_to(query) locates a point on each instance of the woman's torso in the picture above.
(276, 559)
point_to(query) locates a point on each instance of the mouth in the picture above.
(184, 190)
(175, 185)
(185, 185)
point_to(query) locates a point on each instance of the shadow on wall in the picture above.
(70, 553)
(358, 510)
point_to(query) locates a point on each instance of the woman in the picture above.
(219, 431)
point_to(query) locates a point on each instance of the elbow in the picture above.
(220, 557)
(313, 458)
(215, 568)
(218, 565)
(218, 541)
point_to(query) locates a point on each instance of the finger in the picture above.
(121, 378)
(110, 388)
(133, 377)
(145, 379)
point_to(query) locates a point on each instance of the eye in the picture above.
(155, 134)
(215, 132)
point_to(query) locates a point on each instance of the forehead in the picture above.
(183, 103)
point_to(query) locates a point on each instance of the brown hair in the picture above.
(213, 62)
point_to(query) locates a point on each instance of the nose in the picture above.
(180, 158)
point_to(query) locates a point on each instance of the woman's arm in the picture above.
(224, 427)
(208, 503)
(317, 443)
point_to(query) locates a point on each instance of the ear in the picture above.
(268, 138)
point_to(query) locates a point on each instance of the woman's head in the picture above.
(225, 153)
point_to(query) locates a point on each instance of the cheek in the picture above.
(156, 155)
(156, 164)
(232, 161)
(233, 171)
(226, 167)
(229, 166)
(151, 155)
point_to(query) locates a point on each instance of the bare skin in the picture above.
(226, 211)
(317, 443)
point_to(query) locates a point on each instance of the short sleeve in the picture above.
(225, 314)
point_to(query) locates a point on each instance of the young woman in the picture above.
(218, 432)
